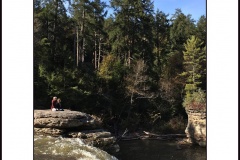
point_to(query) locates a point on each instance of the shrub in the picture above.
(176, 125)
(196, 100)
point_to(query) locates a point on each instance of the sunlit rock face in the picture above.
(65, 120)
(72, 124)
(196, 128)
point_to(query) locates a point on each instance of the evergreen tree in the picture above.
(89, 19)
(100, 34)
(193, 57)
(201, 30)
(161, 40)
(182, 28)
(52, 48)
(82, 12)
(132, 34)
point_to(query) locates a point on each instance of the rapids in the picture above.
(58, 148)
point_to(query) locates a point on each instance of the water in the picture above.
(158, 150)
(52, 148)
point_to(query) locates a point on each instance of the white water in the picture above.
(51, 148)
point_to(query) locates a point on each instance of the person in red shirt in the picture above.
(54, 103)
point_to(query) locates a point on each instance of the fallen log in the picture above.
(166, 135)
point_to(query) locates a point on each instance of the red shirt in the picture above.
(54, 104)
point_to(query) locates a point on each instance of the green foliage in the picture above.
(131, 34)
(194, 60)
(133, 64)
(201, 30)
(193, 57)
(175, 125)
(111, 68)
(196, 100)
(182, 28)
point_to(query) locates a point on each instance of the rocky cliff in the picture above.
(196, 128)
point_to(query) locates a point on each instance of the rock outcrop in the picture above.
(65, 120)
(73, 124)
(196, 128)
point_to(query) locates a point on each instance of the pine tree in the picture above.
(97, 25)
(132, 34)
(161, 40)
(82, 11)
(181, 28)
(194, 56)
(201, 30)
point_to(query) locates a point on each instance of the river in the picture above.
(58, 148)
(158, 150)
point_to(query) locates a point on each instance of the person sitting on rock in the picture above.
(54, 104)
(59, 105)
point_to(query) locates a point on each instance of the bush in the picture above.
(176, 125)
(196, 100)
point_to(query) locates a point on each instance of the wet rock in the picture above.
(49, 131)
(93, 134)
(98, 138)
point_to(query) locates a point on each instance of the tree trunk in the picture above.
(74, 46)
(95, 51)
(129, 58)
(77, 48)
(99, 53)
(83, 37)
(54, 28)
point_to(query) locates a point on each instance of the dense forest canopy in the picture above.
(138, 63)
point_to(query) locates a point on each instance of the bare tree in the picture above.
(137, 82)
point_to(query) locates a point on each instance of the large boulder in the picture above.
(65, 120)
(74, 124)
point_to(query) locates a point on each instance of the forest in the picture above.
(139, 64)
